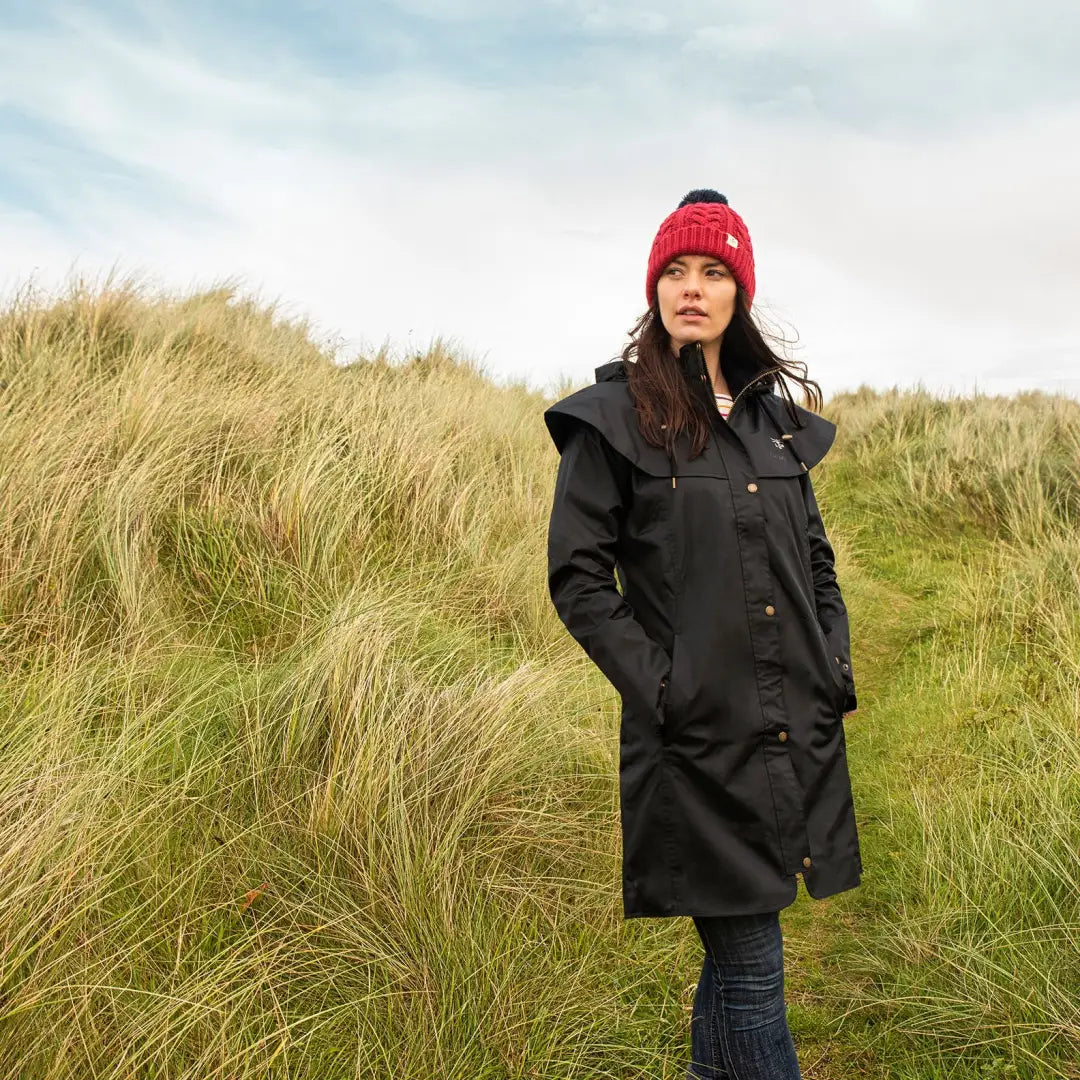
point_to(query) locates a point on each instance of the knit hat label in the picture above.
(732, 241)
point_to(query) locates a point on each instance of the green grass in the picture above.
(958, 956)
(300, 775)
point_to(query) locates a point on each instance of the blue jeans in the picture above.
(738, 1029)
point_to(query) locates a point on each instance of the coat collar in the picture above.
(809, 439)
(692, 364)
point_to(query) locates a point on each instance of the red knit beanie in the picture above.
(703, 224)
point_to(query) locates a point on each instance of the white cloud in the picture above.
(607, 17)
(517, 221)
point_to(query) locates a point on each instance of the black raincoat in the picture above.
(728, 645)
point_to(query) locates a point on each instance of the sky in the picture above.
(492, 173)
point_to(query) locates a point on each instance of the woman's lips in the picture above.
(691, 315)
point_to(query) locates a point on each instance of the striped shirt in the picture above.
(723, 403)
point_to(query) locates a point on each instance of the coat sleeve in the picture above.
(831, 611)
(583, 533)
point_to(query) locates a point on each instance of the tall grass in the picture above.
(302, 777)
(974, 953)
(296, 777)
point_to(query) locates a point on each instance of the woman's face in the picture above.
(700, 282)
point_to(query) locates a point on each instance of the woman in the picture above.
(729, 641)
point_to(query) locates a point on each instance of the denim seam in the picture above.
(715, 1020)
(729, 1065)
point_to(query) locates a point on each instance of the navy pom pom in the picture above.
(702, 195)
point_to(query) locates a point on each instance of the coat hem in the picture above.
(686, 912)
(831, 890)
(819, 894)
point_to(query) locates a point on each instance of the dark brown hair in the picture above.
(665, 405)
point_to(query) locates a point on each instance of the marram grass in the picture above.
(301, 776)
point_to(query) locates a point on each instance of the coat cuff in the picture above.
(840, 655)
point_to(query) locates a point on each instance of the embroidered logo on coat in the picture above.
(779, 443)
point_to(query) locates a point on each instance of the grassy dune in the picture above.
(301, 776)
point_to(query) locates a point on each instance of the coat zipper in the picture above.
(704, 373)
(761, 374)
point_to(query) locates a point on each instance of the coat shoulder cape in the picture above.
(607, 406)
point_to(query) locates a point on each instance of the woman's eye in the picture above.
(717, 272)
